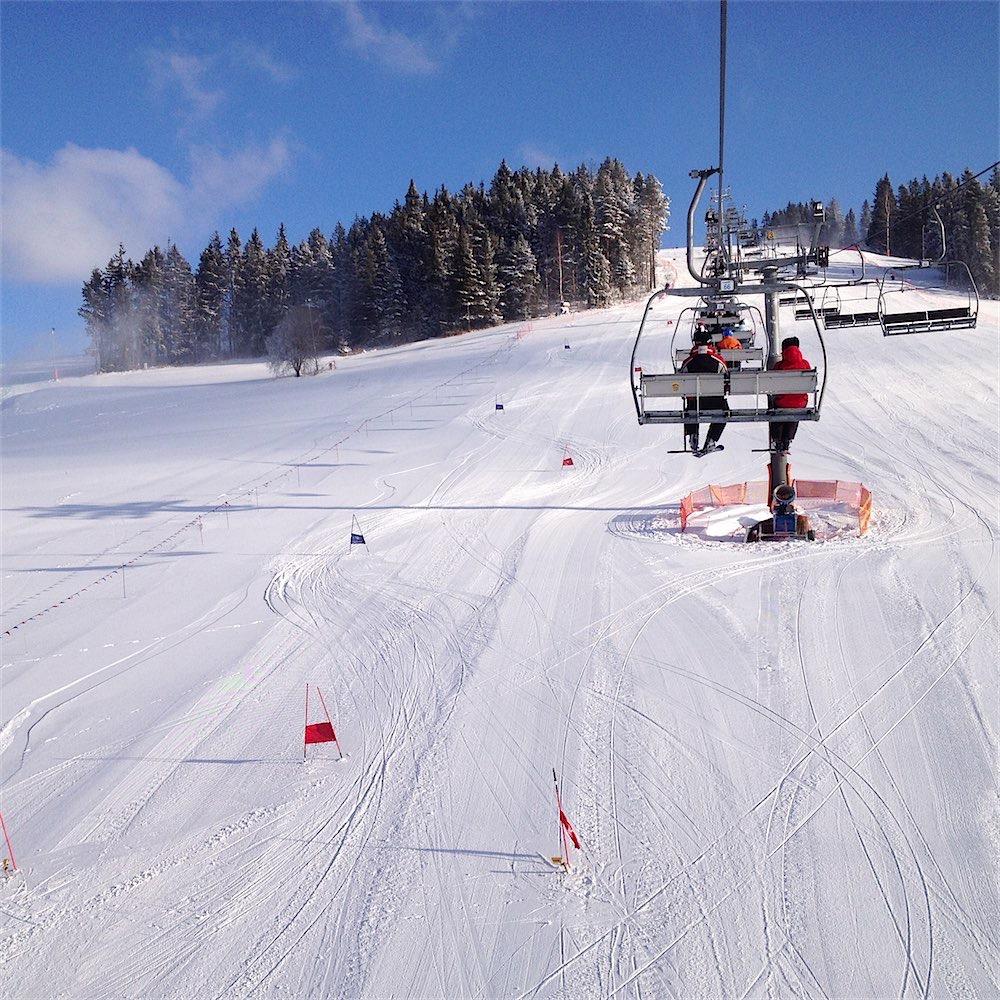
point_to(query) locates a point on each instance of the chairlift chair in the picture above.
(660, 397)
(838, 319)
(745, 320)
(896, 321)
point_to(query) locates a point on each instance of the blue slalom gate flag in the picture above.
(499, 406)
(357, 538)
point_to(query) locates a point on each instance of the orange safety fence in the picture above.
(864, 510)
(812, 493)
(687, 507)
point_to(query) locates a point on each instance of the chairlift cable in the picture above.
(723, 31)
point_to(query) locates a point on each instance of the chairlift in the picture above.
(715, 313)
(823, 311)
(837, 319)
(653, 392)
(832, 304)
(895, 320)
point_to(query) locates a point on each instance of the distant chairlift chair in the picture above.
(897, 321)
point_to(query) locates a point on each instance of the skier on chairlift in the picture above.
(784, 522)
(791, 360)
(704, 359)
(728, 342)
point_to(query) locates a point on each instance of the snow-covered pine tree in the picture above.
(360, 320)
(850, 236)
(615, 215)
(991, 204)
(979, 254)
(470, 297)
(597, 274)
(234, 338)
(517, 274)
(409, 248)
(178, 308)
(443, 231)
(653, 215)
(211, 281)
(833, 229)
(279, 265)
(340, 263)
(252, 298)
(319, 275)
(300, 267)
(121, 331)
(147, 302)
(96, 314)
(483, 249)
(866, 221)
(386, 287)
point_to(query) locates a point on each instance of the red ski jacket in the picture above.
(792, 360)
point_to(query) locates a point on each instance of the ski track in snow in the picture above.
(779, 758)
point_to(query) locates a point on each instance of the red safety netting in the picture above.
(811, 495)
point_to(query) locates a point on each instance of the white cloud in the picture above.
(221, 180)
(193, 79)
(185, 73)
(393, 49)
(62, 219)
(246, 55)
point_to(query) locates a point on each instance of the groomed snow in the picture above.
(781, 759)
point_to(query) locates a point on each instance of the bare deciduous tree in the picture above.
(296, 343)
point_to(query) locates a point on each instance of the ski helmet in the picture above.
(701, 337)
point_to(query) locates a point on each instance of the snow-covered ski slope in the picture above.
(780, 759)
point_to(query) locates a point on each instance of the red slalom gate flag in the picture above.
(567, 461)
(320, 732)
(568, 827)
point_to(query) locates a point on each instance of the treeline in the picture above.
(897, 221)
(433, 265)
(839, 230)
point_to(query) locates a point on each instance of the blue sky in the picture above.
(149, 121)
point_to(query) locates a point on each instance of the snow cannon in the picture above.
(785, 522)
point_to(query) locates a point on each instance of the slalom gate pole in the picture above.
(305, 724)
(10, 850)
(563, 840)
(326, 712)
